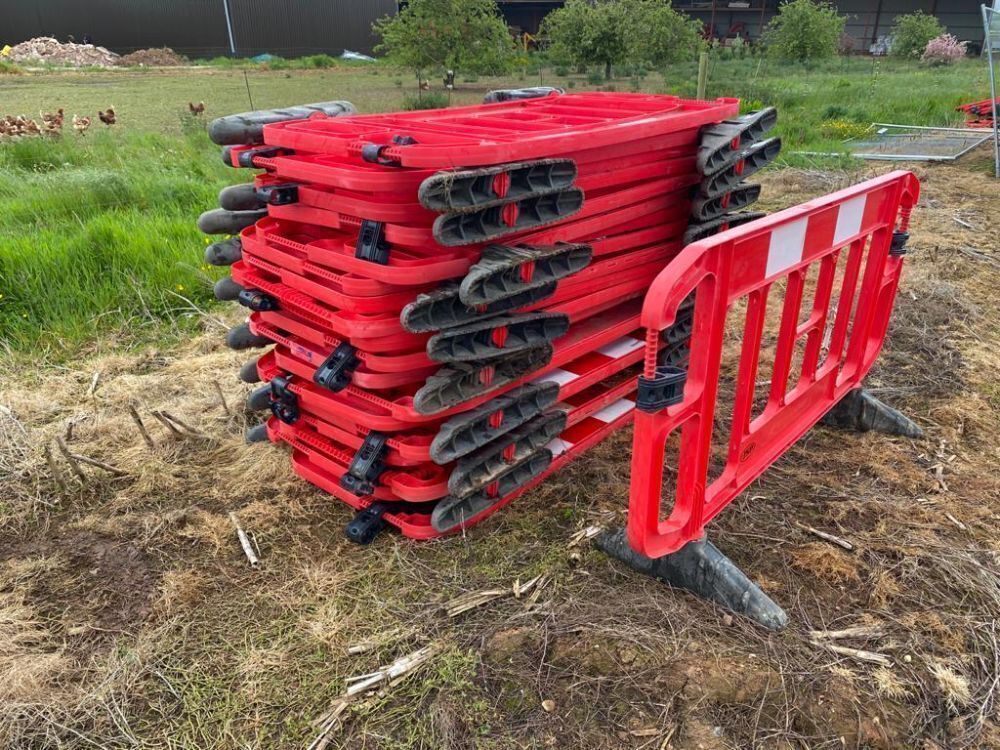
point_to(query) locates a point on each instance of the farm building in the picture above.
(300, 27)
(868, 20)
(197, 28)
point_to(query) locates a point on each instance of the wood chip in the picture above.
(583, 535)
(839, 541)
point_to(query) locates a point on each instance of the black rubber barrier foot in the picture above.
(699, 567)
(221, 221)
(259, 398)
(240, 198)
(508, 95)
(248, 127)
(227, 290)
(257, 434)
(241, 337)
(249, 372)
(859, 410)
(224, 252)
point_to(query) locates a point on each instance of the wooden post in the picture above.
(702, 75)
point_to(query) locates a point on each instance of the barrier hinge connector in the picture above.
(661, 391)
(371, 243)
(284, 403)
(899, 240)
(336, 370)
(366, 466)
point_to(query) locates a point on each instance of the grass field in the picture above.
(130, 619)
(97, 237)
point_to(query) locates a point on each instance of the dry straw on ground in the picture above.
(130, 617)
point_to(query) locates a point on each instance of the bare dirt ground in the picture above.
(130, 618)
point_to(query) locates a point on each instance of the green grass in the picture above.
(97, 232)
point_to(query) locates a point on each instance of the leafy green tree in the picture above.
(466, 35)
(804, 30)
(616, 32)
(912, 32)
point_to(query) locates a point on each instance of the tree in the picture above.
(613, 32)
(467, 35)
(912, 32)
(804, 30)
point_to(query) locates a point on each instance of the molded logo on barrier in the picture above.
(747, 451)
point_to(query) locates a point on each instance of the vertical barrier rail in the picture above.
(838, 260)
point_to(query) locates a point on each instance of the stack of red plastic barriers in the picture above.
(979, 114)
(451, 298)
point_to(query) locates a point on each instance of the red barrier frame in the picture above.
(744, 263)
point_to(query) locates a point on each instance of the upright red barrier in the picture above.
(839, 341)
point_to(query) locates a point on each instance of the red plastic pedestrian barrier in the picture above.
(413, 523)
(497, 133)
(838, 335)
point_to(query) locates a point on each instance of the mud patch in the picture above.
(103, 588)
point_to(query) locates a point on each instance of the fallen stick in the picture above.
(859, 631)
(177, 434)
(329, 721)
(99, 464)
(142, 427)
(183, 425)
(56, 472)
(222, 397)
(245, 542)
(473, 600)
(70, 460)
(402, 667)
(840, 542)
(856, 653)
(93, 384)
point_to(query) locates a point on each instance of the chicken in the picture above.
(55, 119)
(80, 124)
(425, 85)
(19, 127)
(108, 118)
(196, 109)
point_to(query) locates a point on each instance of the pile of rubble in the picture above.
(45, 49)
(158, 57)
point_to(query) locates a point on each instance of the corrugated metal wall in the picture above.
(198, 27)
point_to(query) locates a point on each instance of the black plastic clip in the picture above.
(371, 243)
(284, 403)
(366, 466)
(335, 372)
(256, 300)
(666, 389)
(264, 152)
(278, 195)
(366, 525)
(372, 152)
(898, 246)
